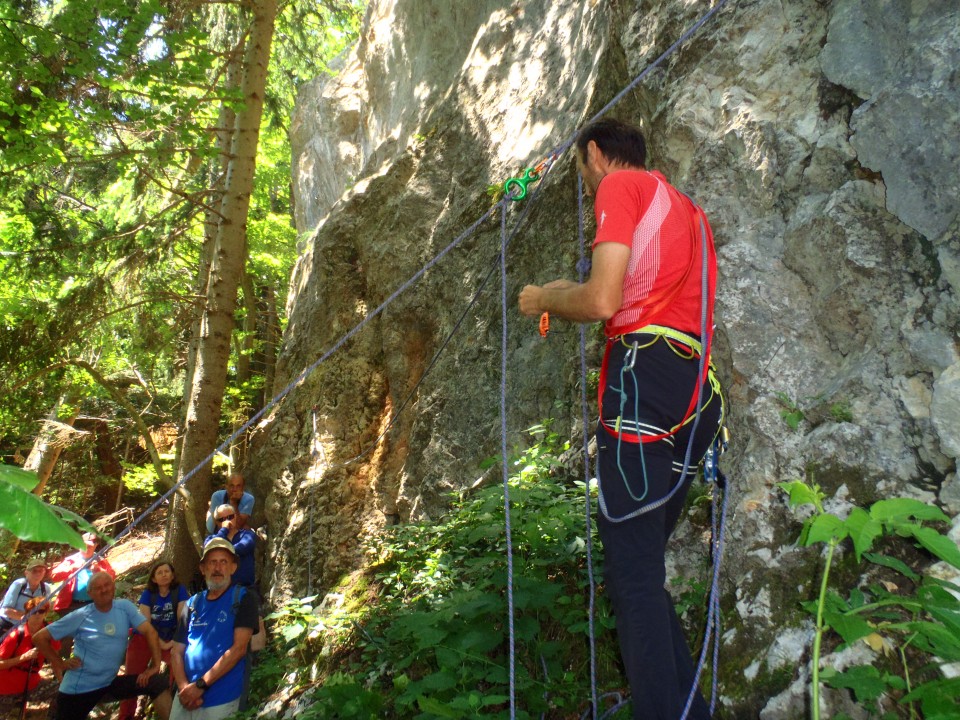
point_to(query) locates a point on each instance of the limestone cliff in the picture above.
(820, 137)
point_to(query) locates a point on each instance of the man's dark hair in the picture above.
(619, 142)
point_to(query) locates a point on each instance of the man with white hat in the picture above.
(210, 647)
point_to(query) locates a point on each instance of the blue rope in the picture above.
(503, 454)
(588, 505)
(713, 603)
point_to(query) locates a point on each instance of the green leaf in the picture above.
(19, 477)
(897, 510)
(438, 708)
(892, 563)
(936, 639)
(826, 528)
(850, 627)
(801, 493)
(937, 543)
(30, 518)
(864, 680)
(863, 530)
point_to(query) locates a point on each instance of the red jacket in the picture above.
(66, 569)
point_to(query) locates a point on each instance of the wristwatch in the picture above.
(201, 684)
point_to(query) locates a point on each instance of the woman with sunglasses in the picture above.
(244, 542)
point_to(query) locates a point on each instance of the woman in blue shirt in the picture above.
(162, 604)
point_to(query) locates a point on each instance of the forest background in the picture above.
(146, 244)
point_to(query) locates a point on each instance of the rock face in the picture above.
(821, 138)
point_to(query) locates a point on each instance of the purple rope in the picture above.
(503, 454)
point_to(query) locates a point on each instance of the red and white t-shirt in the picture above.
(660, 225)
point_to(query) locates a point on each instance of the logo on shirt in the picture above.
(222, 617)
(603, 216)
(110, 629)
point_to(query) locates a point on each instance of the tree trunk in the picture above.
(48, 445)
(226, 269)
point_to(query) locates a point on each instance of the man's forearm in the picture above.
(234, 654)
(42, 642)
(176, 666)
(568, 300)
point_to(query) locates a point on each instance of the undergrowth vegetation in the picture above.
(423, 631)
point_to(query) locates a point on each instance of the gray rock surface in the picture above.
(822, 140)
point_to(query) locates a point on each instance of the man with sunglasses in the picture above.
(244, 540)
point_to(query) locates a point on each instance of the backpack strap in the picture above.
(238, 592)
(191, 609)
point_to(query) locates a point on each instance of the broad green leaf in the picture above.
(850, 627)
(896, 510)
(826, 528)
(935, 639)
(863, 530)
(801, 493)
(892, 563)
(19, 477)
(947, 689)
(938, 544)
(864, 680)
(438, 708)
(30, 518)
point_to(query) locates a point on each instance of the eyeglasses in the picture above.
(226, 517)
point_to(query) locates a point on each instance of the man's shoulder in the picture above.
(126, 607)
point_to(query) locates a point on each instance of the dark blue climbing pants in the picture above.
(655, 655)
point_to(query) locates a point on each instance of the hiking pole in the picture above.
(26, 690)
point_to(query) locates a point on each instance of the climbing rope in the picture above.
(582, 269)
(503, 456)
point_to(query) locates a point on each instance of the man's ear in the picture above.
(592, 150)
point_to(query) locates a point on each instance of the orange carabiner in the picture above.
(544, 324)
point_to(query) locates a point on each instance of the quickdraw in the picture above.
(544, 324)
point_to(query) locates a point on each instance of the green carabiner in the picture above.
(529, 176)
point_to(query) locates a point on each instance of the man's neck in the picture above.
(104, 608)
(217, 594)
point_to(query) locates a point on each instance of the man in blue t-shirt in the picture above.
(99, 631)
(210, 647)
(235, 495)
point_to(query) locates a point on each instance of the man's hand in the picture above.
(29, 655)
(530, 299)
(144, 677)
(59, 667)
(191, 697)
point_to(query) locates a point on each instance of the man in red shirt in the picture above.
(74, 594)
(652, 282)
